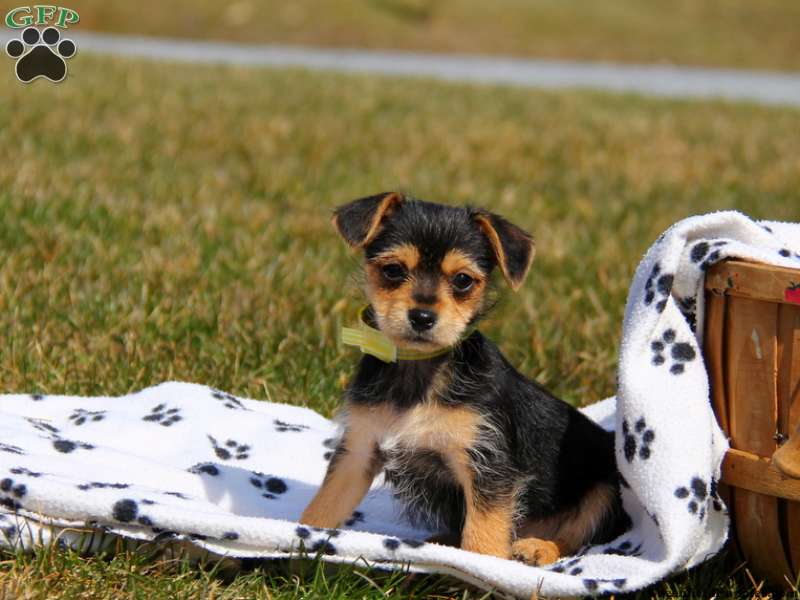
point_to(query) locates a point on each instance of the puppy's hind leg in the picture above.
(543, 541)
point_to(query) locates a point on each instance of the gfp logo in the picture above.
(41, 53)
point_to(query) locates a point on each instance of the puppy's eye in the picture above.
(462, 282)
(394, 272)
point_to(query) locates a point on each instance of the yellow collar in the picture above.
(373, 341)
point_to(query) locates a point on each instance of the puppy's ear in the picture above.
(359, 221)
(513, 248)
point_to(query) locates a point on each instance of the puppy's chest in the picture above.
(429, 426)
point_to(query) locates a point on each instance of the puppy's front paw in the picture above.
(535, 552)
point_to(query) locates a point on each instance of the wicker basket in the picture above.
(752, 348)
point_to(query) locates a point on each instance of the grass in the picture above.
(730, 33)
(66, 574)
(172, 222)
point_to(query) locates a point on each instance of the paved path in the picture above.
(679, 82)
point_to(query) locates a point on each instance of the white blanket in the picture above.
(182, 461)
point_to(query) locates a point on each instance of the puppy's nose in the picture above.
(421, 320)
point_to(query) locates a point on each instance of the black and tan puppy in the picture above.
(470, 445)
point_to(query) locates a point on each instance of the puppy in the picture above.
(473, 449)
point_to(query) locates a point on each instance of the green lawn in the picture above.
(762, 34)
(172, 222)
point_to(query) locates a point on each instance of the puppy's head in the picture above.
(428, 265)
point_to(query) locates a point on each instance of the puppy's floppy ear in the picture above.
(359, 221)
(513, 248)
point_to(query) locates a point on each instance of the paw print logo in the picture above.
(230, 450)
(657, 288)
(81, 416)
(270, 487)
(639, 439)
(697, 495)
(706, 253)
(680, 352)
(41, 54)
(163, 416)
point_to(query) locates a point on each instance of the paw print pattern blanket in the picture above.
(231, 476)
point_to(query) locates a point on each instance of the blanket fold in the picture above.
(182, 461)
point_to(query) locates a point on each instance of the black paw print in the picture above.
(11, 449)
(9, 531)
(204, 468)
(657, 288)
(625, 548)
(283, 426)
(41, 54)
(356, 517)
(163, 416)
(8, 486)
(127, 511)
(706, 253)
(696, 494)
(230, 450)
(180, 495)
(42, 425)
(320, 546)
(101, 485)
(69, 446)
(716, 501)
(680, 352)
(80, 416)
(786, 253)
(631, 445)
(688, 308)
(571, 567)
(392, 544)
(270, 487)
(228, 401)
(593, 584)
(12, 493)
(24, 471)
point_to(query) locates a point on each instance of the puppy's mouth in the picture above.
(420, 341)
(418, 338)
